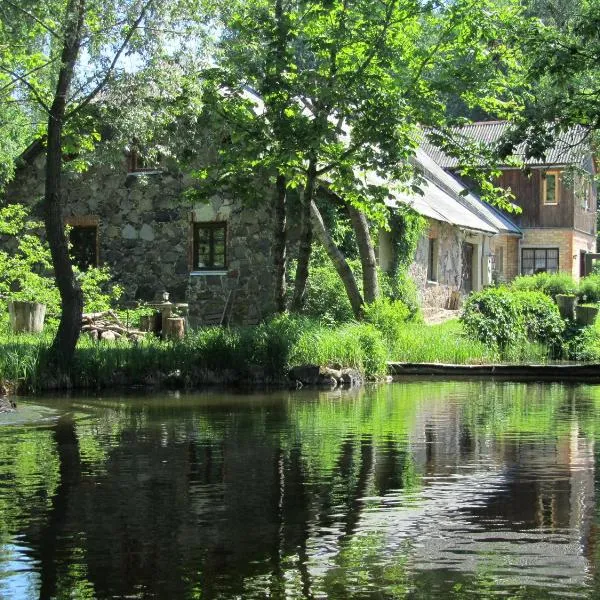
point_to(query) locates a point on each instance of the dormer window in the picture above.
(551, 187)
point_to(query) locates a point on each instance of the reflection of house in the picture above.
(557, 198)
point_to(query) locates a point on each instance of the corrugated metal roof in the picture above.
(570, 147)
(457, 190)
(437, 201)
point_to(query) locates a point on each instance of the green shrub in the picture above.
(589, 289)
(326, 298)
(506, 317)
(389, 317)
(550, 284)
(99, 293)
(402, 288)
(541, 318)
(493, 316)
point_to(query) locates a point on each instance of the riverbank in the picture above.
(251, 356)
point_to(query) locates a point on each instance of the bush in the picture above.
(404, 289)
(589, 289)
(504, 317)
(541, 318)
(389, 317)
(493, 316)
(550, 284)
(326, 298)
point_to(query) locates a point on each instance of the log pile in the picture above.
(107, 326)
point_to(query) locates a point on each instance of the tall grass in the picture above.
(234, 354)
(448, 343)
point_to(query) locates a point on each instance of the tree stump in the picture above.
(26, 317)
(174, 328)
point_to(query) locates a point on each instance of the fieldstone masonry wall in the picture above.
(145, 237)
(449, 264)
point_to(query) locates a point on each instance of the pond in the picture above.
(412, 490)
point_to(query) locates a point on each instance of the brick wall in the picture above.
(508, 247)
(581, 243)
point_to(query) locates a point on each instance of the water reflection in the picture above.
(413, 490)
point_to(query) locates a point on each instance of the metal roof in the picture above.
(570, 148)
(437, 201)
(462, 195)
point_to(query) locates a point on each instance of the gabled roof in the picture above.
(570, 148)
(442, 200)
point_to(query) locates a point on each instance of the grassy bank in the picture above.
(260, 354)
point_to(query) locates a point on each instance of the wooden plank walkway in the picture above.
(550, 372)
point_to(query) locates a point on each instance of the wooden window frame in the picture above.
(557, 187)
(432, 260)
(87, 221)
(211, 226)
(499, 261)
(535, 249)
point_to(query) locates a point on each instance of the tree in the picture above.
(72, 53)
(562, 44)
(328, 92)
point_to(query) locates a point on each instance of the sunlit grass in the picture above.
(235, 354)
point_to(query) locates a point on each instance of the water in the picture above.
(417, 490)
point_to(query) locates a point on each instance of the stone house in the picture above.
(136, 220)
(464, 234)
(558, 200)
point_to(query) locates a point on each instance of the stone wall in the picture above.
(145, 237)
(449, 264)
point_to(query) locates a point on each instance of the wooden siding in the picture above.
(528, 194)
(585, 218)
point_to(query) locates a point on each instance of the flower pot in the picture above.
(586, 315)
(566, 305)
(26, 317)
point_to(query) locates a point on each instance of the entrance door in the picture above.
(467, 267)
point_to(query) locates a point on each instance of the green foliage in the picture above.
(493, 316)
(589, 289)
(389, 317)
(25, 264)
(503, 317)
(403, 289)
(357, 345)
(26, 268)
(541, 319)
(406, 227)
(550, 284)
(99, 293)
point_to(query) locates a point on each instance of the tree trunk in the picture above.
(339, 262)
(63, 347)
(279, 245)
(306, 236)
(367, 254)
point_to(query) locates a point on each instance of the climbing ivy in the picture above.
(406, 227)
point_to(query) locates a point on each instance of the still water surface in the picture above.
(413, 490)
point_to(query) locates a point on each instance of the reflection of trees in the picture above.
(182, 499)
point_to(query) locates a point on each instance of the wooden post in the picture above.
(174, 328)
(26, 317)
